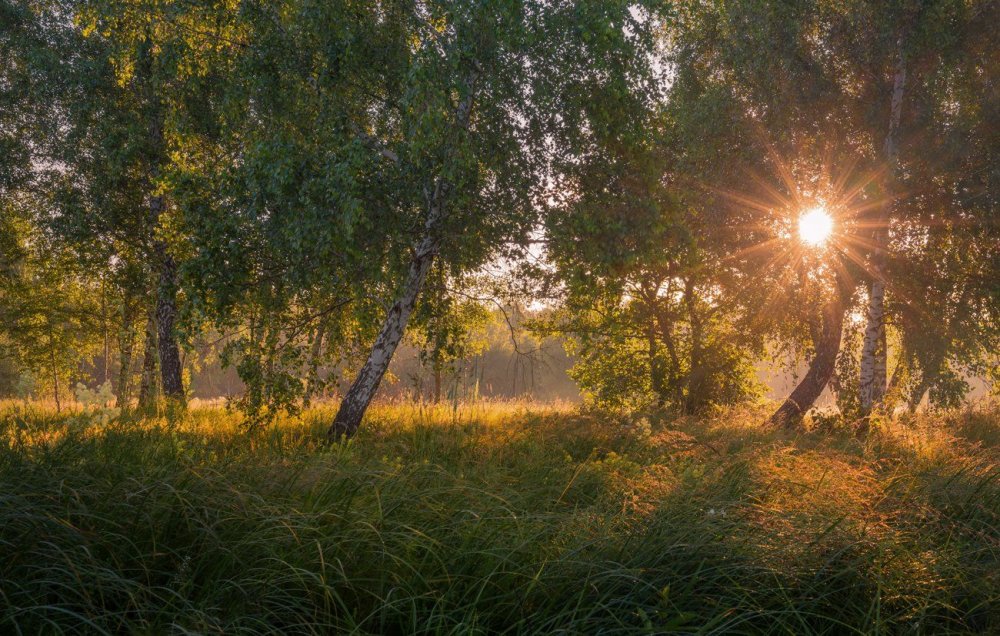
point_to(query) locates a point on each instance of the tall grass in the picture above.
(497, 519)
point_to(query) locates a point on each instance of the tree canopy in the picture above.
(302, 186)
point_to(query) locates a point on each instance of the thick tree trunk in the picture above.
(666, 334)
(790, 413)
(917, 395)
(360, 395)
(148, 380)
(872, 380)
(166, 292)
(166, 317)
(929, 371)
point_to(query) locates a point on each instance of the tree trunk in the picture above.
(166, 292)
(693, 402)
(312, 382)
(126, 343)
(790, 413)
(437, 381)
(872, 380)
(55, 369)
(148, 381)
(666, 334)
(656, 371)
(360, 395)
(107, 333)
(872, 371)
(166, 316)
(930, 369)
(917, 394)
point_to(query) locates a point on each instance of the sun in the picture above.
(815, 226)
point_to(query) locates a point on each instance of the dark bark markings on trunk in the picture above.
(166, 291)
(360, 395)
(166, 315)
(126, 345)
(55, 369)
(790, 413)
(872, 376)
(148, 381)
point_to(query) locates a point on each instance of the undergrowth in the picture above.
(497, 519)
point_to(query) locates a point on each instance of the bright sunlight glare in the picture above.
(815, 226)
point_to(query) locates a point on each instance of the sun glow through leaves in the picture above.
(815, 226)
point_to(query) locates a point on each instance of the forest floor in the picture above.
(497, 518)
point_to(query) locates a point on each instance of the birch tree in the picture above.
(376, 140)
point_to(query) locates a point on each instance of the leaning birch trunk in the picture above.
(872, 377)
(802, 398)
(360, 395)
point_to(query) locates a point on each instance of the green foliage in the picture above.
(447, 328)
(291, 157)
(46, 311)
(607, 373)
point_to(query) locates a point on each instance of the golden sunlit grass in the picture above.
(502, 517)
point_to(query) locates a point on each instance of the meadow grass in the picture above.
(495, 518)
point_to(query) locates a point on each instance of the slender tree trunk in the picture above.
(126, 344)
(148, 381)
(901, 373)
(437, 381)
(696, 371)
(314, 358)
(656, 372)
(360, 395)
(666, 334)
(107, 334)
(55, 369)
(872, 380)
(802, 398)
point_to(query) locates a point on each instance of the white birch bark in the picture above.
(360, 395)
(872, 379)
